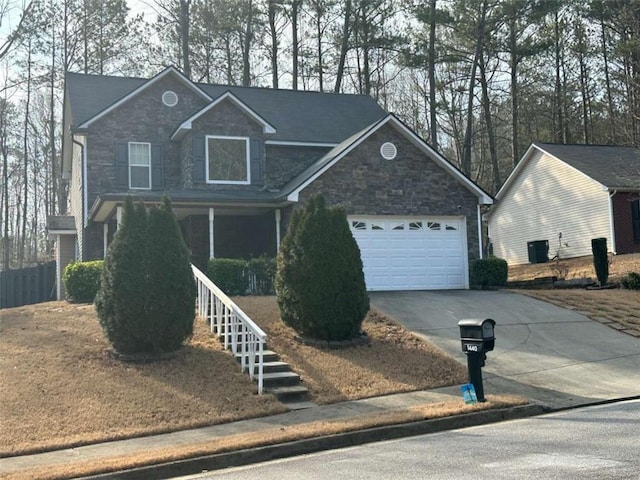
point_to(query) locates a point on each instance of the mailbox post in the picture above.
(477, 338)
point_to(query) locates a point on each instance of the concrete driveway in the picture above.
(551, 355)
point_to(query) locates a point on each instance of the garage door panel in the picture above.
(411, 254)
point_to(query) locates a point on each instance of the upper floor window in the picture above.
(227, 160)
(139, 165)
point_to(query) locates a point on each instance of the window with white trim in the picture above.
(140, 165)
(227, 160)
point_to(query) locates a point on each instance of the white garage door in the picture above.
(412, 253)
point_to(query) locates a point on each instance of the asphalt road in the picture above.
(599, 443)
(551, 355)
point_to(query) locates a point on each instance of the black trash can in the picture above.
(538, 251)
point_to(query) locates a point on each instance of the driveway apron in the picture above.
(549, 354)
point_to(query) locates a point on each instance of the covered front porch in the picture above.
(211, 229)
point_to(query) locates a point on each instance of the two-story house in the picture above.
(235, 161)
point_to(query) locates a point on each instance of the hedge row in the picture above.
(237, 276)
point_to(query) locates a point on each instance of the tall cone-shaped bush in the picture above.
(146, 298)
(319, 282)
(172, 291)
(120, 301)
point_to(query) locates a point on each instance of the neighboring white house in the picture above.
(567, 195)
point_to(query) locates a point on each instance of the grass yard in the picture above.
(60, 387)
(618, 307)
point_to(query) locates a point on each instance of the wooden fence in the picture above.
(27, 286)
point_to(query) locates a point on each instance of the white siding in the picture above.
(76, 194)
(549, 197)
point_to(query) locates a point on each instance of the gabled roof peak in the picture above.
(146, 84)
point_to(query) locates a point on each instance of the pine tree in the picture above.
(320, 283)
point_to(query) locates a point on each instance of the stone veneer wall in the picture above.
(364, 183)
(285, 162)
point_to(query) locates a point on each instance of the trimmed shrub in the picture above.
(631, 281)
(263, 271)
(146, 301)
(229, 274)
(82, 280)
(488, 272)
(600, 259)
(319, 280)
(171, 295)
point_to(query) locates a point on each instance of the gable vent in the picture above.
(169, 98)
(388, 151)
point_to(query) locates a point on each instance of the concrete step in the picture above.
(280, 379)
(289, 394)
(273, 367)
(268, 356)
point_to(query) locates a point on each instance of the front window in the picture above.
(228, 160)
(140, 165)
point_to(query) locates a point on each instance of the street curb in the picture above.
(238, 458)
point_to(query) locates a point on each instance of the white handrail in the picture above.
(241, 334)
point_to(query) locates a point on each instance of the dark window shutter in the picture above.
(635, 220)
(257, 161)
(122, 165)
(199, 173)
(157, 167)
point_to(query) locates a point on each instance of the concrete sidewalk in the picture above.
(345, 410)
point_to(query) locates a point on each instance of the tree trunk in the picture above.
(25, 172)
(513, 66)
(466, 159)
(184, 37)
(432, 76)
(246, 48)
(274, 43)
(295, 4)
(607, 81)
(344, 46)
(488, 119)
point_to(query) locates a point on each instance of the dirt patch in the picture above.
(59, 386)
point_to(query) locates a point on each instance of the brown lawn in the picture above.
(60, 387)
(617, 307)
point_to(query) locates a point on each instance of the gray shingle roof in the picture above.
(298, 116)
(614, 167)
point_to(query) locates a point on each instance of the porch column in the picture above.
(118, 217)
(278, 216)
(105, 237)
(58, 269)
(211, 218)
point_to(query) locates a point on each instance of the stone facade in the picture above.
(412, 184)
(363, 182)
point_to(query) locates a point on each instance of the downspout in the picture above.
(84, 186)
(480, 231)
(612, 223)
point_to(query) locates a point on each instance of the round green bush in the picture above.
(631, 281)
(488, 272)
(82, 280)
(319, 280)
